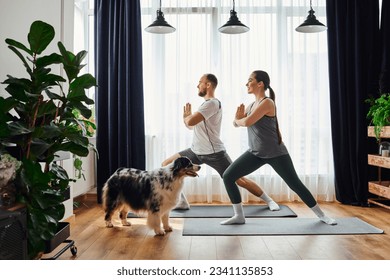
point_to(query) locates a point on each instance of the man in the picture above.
(207, 147)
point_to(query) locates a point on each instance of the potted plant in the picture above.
(43, 115)
(379, 112)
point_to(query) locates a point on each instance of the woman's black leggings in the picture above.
(247, 163)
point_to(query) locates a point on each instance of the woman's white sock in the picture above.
(327, 220)
(238, 218)
(183, 203)
(272, 205)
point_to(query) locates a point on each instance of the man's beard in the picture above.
(202, 93)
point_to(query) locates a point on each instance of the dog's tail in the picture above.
(105, 196)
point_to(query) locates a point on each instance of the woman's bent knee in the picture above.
(228, 176)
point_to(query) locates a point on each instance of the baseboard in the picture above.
(85, 196)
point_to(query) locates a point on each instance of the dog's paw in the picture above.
(126, 223)
(168, 229)
(159, 232)
(109, 224)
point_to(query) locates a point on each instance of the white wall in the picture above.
(82, 186)
(16, 17)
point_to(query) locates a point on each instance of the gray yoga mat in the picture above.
(226, 211)
(274, 226)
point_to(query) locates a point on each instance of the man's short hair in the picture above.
(212, 79)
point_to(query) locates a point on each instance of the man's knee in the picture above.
(170, 159)
(241, 182)
(166, 162)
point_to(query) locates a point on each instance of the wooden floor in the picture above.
(96, 242)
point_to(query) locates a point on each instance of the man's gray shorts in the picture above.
(220, 161)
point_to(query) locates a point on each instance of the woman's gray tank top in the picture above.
(263, 138)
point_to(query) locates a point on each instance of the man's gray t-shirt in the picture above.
(206, 138)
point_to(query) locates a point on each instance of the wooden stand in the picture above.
(379, 188)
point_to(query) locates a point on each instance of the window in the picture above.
(173, 64)
(84, 36)
(296, 62)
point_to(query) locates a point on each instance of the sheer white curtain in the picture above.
(296, 63)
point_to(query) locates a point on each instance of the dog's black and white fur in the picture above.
(155, 192)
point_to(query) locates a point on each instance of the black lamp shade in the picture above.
(311, 24)
(160, 26)
(233, 25)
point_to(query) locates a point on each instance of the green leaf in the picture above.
(18, 128)
(80, 57)
(38, 147)
(32, 175)
(59, 172)
(17, 92)
(85, 81)
(78, 95)
(48, 131)
(70, 68)
(25, 84)
(18, 45)
(78, 139)
(78, 163)
(75, 149)
(40, 36)
(47, 108)
(21, 57)
(7, 104)
(54, 96)
(65, 54)
(45, 80)
(90, 127)
(84, 111)
(4, 131)
(44, 61)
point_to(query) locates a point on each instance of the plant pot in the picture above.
(63, 232)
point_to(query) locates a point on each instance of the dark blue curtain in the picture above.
(384, 82)
(354, 55)
(119, 95)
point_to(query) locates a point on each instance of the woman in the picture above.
(265, 147)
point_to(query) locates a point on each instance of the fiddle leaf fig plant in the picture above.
(44, 114)
(379, 112)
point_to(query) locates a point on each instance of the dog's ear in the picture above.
(180, 163)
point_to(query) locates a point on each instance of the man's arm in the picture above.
(191, 119)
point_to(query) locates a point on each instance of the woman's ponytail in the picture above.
(262, 76)
(272, 96)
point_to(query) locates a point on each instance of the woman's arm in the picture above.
(264, 108)
(240, 114)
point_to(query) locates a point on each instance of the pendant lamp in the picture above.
(160, 26)
(311, 24)
(233, 25)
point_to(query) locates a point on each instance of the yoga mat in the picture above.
(274, 226)
(226, 211)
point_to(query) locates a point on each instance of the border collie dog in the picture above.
(155, 192)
